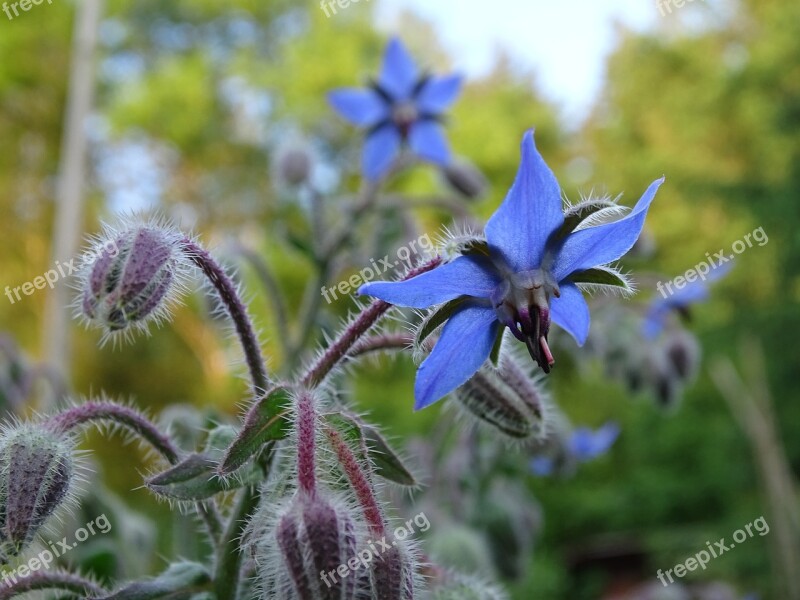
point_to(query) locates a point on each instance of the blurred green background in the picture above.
(193, 101)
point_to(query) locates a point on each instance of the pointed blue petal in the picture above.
(438, 93)
(606, 243)
(465, 276)
(361, 107)
(587, 444)
(399, 74)
(380, 149)
(427, 140)
(465, 344)
(529, 214)
(570, 312)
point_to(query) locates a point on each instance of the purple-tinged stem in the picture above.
(353, 332)
(50, 580)
(93, 411)
(236, 310)
(306, 443)
(384, 341)
(360, 482)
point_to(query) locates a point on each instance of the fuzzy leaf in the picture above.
(181, 581)
(196, 478)
(476, 247)
(265, 422)
(599, 276)
(386, 462)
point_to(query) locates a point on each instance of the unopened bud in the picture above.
(466, 179)
(36, 473)
(506, 399)
(683, 353)
(133, 279)
(392, 576)
(314, 537)
(294, 166)
(456, 586)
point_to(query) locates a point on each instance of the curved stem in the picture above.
(229, 561)
(273, 291)
(384, 341)
(49, 580)
(236, 310)
(133, 420)
(353, 332)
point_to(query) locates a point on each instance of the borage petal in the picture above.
(363, 108)
(399, 73)
(465, 344)
(465, 276)
(438, 93)
(427, 140)
(606, 243)
(380, 149)
(570, 312)
(530, 213)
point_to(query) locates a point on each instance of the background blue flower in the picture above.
(402, 108)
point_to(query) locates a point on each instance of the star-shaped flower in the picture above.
(403, 108)
(524, 275)
(680, 301)
(584, 444)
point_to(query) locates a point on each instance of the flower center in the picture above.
(404, 115)
(522, 303)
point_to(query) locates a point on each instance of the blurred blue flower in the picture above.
(523, 276)
(404, 107)
(583, 445)
(696, 291)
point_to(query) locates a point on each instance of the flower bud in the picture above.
(294, 166)
(392, 575)
(683, 353)
(133, 279)
(313, 538)
(506, 399)
(466, 179)
(456, 586)
(36, 473)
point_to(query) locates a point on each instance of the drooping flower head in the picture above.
(680, 301)
(403, 108)
(525, 274)
(132, 275)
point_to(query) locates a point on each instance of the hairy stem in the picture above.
(306, 443)
(227, 574)
(49, 580)
(384, 341)
(236, 310)
(353, 332)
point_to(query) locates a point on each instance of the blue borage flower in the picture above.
(693, 292)
(584, 445)
(526, 273)
(403, 108)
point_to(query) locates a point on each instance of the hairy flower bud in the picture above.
(466, 179)
(36, 473)
(133, 278)
(464, 587)
(505, 398)
(313, 538)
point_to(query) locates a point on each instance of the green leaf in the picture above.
(265, 422)
(196, 478)
(476, 247)
(498, 343)
(600, 276)
(436, 318)
(181, 581)
(386, 462)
